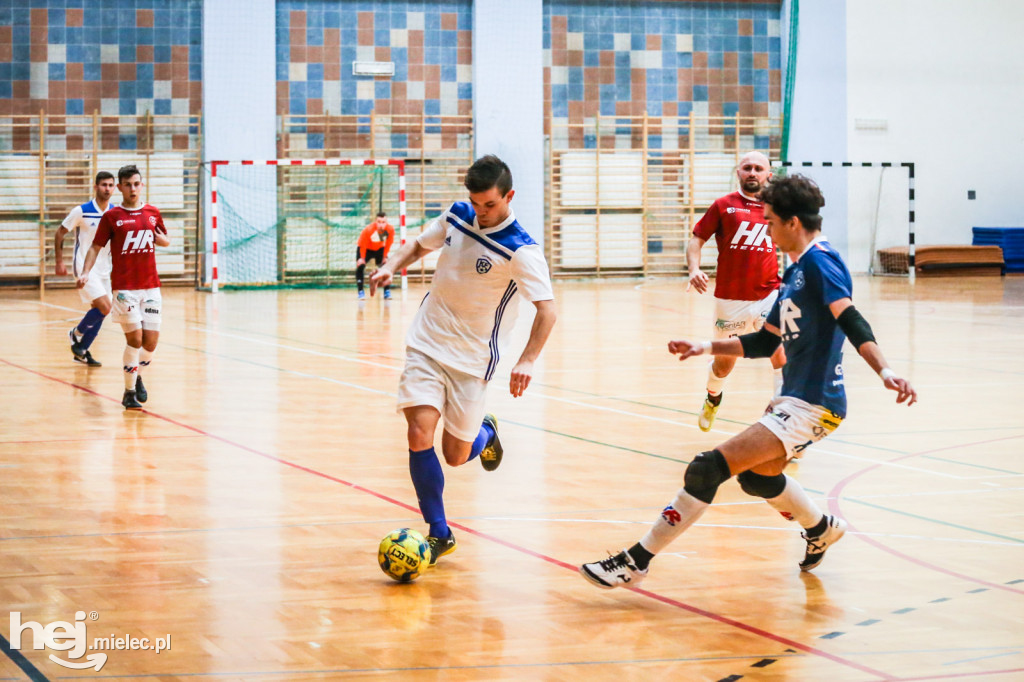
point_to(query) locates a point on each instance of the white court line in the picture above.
(600, 408)
(39, 323)
(58, 307)
(623, 522)
(207, 330)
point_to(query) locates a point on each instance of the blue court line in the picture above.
(19, 660)
(982, 658)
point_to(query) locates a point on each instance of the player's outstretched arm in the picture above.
(858, 331)
(686, 348)
(544, 321)
(407, 255)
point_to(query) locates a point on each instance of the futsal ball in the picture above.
(404, 554)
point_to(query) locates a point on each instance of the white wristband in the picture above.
(887, 374)
(706, 347)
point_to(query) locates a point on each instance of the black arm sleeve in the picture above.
(760, 344)
(855, 327)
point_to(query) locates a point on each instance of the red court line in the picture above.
(89, 440)
(725, 620)
(836, 493)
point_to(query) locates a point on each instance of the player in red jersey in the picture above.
(133, 229)
(374, 243)
(747, 280)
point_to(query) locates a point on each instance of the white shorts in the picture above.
(138, 307)
(95, 287)
(798, 424)
(733, 318)
(458, 396)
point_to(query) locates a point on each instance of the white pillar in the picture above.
(239, 84)
(818, 127)
(508, 98)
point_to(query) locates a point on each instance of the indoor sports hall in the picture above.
(229, 529)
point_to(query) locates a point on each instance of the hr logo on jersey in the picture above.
(755, 236)
(137, 240)
(788, 315)
(671, 516)
(483, 266)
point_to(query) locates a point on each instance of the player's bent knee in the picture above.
(762, 486)
(704, 474)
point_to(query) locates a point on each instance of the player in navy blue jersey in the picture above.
(812, 317)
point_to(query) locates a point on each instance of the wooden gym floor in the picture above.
(240, 513)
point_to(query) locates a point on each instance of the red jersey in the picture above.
(132, 249)
(371, 240)
(748, 269)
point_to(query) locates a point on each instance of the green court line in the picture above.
(976, 466)
(665, 408)
(619, 447)
(948, 524)
(595, 442)
(344, 383)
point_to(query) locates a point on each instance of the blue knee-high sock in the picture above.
(89, 327)
(481, 441)
(428, 479)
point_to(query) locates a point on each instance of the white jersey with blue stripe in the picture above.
(464, 320)
(810, 334)
(82, 221)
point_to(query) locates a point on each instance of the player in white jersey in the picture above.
(453, 344)
(82, 220)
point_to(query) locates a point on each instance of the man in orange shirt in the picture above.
(374, 242)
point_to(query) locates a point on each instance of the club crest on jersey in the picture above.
(483, 265)
(152, 220)
(798, 280)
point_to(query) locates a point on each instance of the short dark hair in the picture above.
(795, 195)
(103, 175)
(382, 214)
(487, 172)
(125, 172)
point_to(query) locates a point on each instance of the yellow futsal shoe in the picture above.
(708, 413)
(490, 456)
(440, 547)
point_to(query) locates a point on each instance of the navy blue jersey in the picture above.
(810, 334)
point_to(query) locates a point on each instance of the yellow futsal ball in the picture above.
(404, 554)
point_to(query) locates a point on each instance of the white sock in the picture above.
(777, 379)
(131, 367)
(145, 357)
(715, 382)
(794, 503)
(676, 518)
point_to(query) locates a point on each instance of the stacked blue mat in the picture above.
(1009, 239)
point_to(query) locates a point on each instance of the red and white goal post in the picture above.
(218, 167)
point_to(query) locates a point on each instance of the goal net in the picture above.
(296, 222)
(868, 213)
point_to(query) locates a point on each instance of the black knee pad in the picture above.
(705, 473)
(762, 486)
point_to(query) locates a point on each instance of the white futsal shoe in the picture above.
(616, 571)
